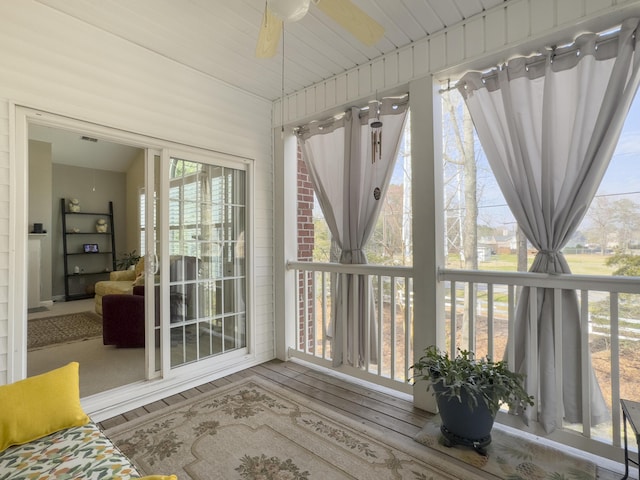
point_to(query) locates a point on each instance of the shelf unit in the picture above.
(78, 230)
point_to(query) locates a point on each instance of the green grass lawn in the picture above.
(581, 264)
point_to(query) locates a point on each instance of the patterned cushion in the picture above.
(78, 452)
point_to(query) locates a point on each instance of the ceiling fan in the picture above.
(344, 12)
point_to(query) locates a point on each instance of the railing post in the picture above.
(615, 366)
(585, 359)
(285, 195)
(344, 307)
(532, 380)
(557, 335)
(490, 325)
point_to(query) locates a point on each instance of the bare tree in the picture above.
(627, 223)
(463, 155)
(602, 216)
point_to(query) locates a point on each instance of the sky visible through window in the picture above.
(621, 181)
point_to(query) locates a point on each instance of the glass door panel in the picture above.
(207, 277)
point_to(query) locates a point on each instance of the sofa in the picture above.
(120, 282)
(180, 268)
(44, 433)
(123, 319)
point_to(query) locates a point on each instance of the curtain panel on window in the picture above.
(549, 126)
(350, 172)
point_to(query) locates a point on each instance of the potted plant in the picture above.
(127, 260)
(469, 392)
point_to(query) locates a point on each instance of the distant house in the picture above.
(498, 244)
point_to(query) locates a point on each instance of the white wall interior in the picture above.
(54, 63)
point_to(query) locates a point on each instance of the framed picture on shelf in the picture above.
(90, 248)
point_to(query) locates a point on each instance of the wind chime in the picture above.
(376, 136)
(376, 143)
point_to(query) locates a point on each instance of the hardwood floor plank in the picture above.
(351, 405)
(384, 404)
(112, 422)
(155, 406)
(376, 401)
(132, 414)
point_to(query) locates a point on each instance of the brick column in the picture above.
(305, 248)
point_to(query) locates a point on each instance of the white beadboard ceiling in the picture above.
(218, 37)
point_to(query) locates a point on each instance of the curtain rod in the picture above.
(536, 58)
(402, 99)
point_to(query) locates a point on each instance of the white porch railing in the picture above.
(610, 313)
(389, 303)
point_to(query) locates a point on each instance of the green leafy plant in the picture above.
(479, 378)
(627, 264)
(126, 260)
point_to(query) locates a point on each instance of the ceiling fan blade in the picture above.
(353, 19)
(269, 35)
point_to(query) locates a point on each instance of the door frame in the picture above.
(167, 382)
(227, 161)
(23, 117)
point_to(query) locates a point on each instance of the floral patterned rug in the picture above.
(73, 327)
(513, 457)
(256, 430)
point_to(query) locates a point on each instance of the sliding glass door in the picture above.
(203, 287)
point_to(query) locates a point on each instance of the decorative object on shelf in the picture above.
(76, 269)
(469, 392)
(37, 228)
(90, 248)
(127, 260)
(101, 225)
(74, 230)
(74, 205)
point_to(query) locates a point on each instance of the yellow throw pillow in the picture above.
(159, 477)
(40, 405)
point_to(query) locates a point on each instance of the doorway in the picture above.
(192, 221)
(94, 172)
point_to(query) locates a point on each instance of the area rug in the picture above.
(73, 327)
(513, 457)
(256, 430)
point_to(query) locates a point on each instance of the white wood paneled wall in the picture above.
(4, 238)
(49, 61)
(518, 27)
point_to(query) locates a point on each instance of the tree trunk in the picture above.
(521, 249)
(470, 228)
(521, 241)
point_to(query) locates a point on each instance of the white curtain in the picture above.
(345, 174)
(549, 128)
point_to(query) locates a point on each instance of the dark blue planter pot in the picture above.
(462, 424)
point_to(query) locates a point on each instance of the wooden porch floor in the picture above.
(386, 413)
